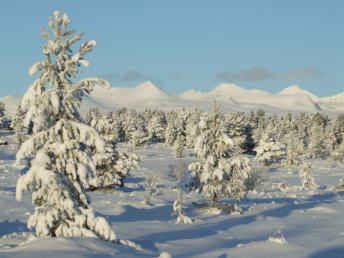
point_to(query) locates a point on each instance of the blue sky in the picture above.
(181, 45)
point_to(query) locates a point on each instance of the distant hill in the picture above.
(11, 103)
(230, 96)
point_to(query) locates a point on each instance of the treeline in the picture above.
(287, 138)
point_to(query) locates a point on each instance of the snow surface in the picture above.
(312, 220)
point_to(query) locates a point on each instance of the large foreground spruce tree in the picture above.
(59, 164)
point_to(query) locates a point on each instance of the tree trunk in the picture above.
(214, 200)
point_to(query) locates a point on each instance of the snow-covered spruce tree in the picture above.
(134, 128)
(171, 116)
(119, 116)
(293, 148)
(236, 125)
(306, 176)
(156, 126)
(178, 147)
(112, 166)
(139, 137)
(316, 139)
(258, 132)
(178, 209)
(339, 129)
(2, 113)
(248, 144)
(2, 109)
(300, 125)
(269, 149)
(130, 124)
(338, 148)
(92, 116)
(252, 120)
(60, 167)
(220, 173)
(21, 132)
(182, 121)
(170, 133)
(192, 129)
(330, 140)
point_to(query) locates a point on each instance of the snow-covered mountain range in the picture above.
(231, 97)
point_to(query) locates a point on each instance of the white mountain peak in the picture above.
(226, 89)
(336, 101)
(146, 85)
(295, 89)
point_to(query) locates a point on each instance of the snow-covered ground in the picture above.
(274, 223)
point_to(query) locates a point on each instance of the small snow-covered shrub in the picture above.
(337, 155)
(340, 186)
(256, 179)
(3, 169)
(178, 171)
(151, 185)
(291, 160)
(283, 187)
(230, 208)
(278, 237)
(178, 208)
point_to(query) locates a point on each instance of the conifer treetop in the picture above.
(63, 99)
(58, 72)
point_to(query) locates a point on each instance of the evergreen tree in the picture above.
(306, 176)
(235, 123)
(112, 166)
(130, 124)
(258, 133)
(316, 138)
(139, 137)
(300, 124)
(21, 133)
(192, 129)
(269, 149)
(92, 116)
(60, 167)
(330, 140)
(248, 144)
(156, 128)
(220, 173)
(2, 113)
(293, 148)
(178, 147)
(252, 120)
(178, 209)
(339, 129)
(170, 134)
